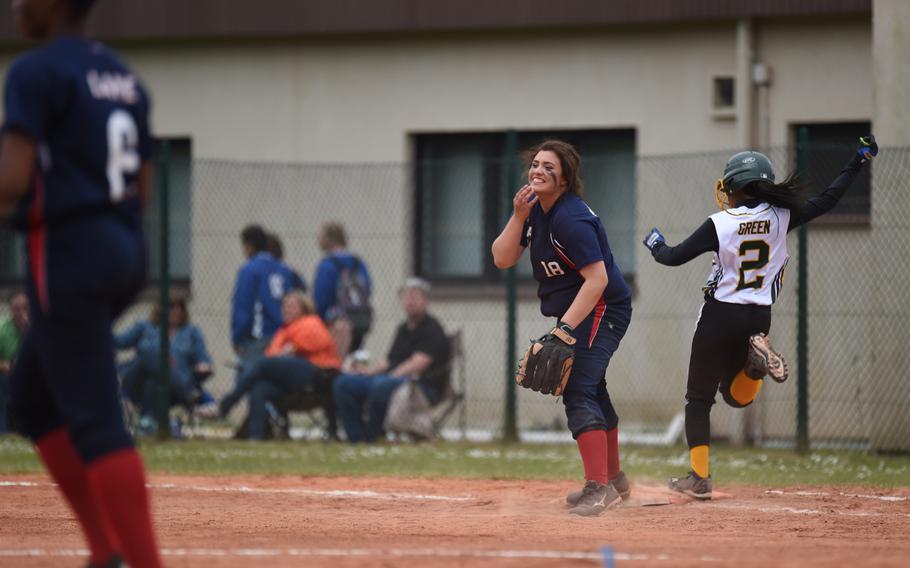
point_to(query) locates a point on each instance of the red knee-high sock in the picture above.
(69, 471)
(592, 445)
(613, 468)
(119, 482)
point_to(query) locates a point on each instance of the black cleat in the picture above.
(760, 347)
(756, 367)
(620, 484)
(596, 498)
(692, 485)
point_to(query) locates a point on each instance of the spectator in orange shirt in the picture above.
(298, 351)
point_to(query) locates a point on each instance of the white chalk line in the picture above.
(799, 511)
(360, 552)
(888, 498)
(336, 493)
(339, 493)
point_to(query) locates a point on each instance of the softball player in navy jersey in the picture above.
(731, 351)
(580, 284)
(73, 172)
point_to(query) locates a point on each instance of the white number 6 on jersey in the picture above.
(122, 151)
(276, 286)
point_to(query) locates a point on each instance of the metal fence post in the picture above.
(164, 284)
(510, 425)
(802, 331)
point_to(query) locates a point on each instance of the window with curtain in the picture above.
(179, 164)
(830, 146)
(12, 246)
(464, 198)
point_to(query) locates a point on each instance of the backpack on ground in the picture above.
(409, 412)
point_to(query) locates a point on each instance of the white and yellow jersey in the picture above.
(751, 255)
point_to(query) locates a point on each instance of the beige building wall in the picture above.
(891, 46)
(821, 73)
(357, 100)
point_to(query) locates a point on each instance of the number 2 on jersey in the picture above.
(763, 254)
(122, 151)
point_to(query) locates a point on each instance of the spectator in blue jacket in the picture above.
(276, 249)
(342, 289)
(262, 282)
(189, 359)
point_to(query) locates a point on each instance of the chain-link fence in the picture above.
(856, 301)
(437, 219)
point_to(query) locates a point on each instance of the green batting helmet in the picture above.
(745, 167)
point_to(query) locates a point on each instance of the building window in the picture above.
(12, 257)
(827, 149)
(178, 163)
(724, 97)
(12, 244)
(464, 199)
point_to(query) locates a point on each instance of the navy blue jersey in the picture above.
(88, 115)
(564, 240)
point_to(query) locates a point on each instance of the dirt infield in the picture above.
(381, 522)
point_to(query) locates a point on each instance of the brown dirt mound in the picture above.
(281, 521)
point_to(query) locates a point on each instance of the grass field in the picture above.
(768, 467)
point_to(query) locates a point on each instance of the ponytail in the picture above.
(788, 194)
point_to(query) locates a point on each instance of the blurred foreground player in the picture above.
(74, 170)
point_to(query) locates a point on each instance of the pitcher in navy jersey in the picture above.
(581, 285)
(74, 171)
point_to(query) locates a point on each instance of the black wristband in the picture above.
(565, 327)
(857, 161)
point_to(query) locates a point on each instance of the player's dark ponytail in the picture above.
(789, 194)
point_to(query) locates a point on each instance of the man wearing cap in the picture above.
(420, 351)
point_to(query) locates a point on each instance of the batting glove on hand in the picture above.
(653, 239)
(868, 149)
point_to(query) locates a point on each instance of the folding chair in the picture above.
(453, 397)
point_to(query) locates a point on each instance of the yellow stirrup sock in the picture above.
(698, 457)
(744, 389)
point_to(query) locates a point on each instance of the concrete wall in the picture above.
(891, 46)
(356, 100)
(884, 396)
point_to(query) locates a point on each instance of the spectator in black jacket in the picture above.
(419, 351)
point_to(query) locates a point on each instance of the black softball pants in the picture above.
(719, 349)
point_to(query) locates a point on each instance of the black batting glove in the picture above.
(654, 239)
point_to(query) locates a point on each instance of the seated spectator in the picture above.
(341, 290)
(419, 351)
(300, 350)
(12, 330)
(189, 361)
